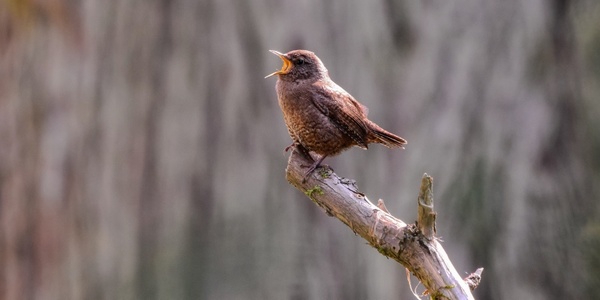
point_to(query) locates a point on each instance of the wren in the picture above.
(321, 117)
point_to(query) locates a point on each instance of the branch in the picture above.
(412, 245)
(474, 279)
(426, 216)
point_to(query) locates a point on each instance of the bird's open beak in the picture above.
(287, 64)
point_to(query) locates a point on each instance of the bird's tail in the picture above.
(388, 139)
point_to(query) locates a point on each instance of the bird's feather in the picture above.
(345, 111)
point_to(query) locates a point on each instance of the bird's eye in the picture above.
(300, 61)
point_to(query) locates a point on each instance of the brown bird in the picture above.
(321, 116)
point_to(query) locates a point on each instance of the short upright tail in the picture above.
(388, 139)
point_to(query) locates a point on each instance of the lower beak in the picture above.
(287, 64)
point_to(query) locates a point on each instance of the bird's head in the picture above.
(299, 65)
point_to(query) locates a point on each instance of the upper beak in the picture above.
(287, 64)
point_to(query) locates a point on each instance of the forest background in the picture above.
(142, 149)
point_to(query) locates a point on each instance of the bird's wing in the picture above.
(344, 111)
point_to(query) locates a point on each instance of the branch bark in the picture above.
(412, 245)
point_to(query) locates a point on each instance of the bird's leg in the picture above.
(313, 167)
(306, 153)
(303, 151)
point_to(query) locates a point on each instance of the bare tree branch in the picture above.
(412, 245)
(426, 217)
(474, 279)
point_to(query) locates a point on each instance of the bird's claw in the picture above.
(313, 167)
(289, 147)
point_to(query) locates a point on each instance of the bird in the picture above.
(321, 117)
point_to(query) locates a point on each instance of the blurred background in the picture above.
(142, 149)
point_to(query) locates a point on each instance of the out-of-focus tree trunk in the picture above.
(131, 130)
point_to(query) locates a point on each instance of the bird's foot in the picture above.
(312, 168)
(289, 147)
(324, 166)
